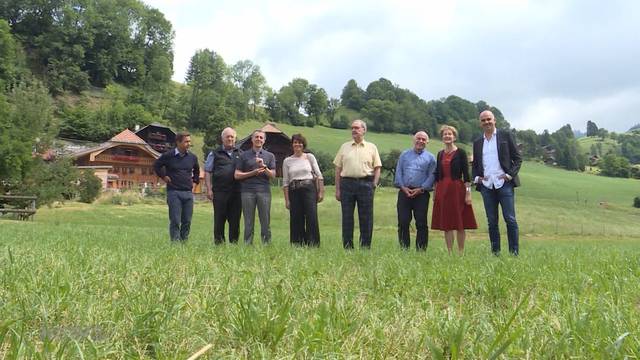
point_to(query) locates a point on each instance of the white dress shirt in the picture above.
(493, 173)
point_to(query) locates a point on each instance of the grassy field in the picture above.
(102, 281)
(607, 144)
(328, 139)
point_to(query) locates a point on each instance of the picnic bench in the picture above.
(22, 205)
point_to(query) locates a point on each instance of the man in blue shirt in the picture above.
(180, 170)
(414, 177)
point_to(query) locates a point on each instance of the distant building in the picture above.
(123, 162)
(277, 142)
(161, 138)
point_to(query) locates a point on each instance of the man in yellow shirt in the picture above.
(357, 175)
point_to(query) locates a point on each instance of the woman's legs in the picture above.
(448, 238)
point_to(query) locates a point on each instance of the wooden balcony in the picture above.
(125, 159)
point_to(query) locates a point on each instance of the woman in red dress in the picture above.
(452, 211)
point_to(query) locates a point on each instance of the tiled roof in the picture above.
(270, 128)
(127, 136)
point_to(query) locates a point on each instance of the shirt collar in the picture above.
(176, 152)
(493, 136)
(354, 143)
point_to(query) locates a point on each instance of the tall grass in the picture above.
(103, 281)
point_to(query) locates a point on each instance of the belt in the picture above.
(366, 178)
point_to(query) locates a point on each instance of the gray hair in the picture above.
(362, 123)
(258, 131)
(227, 129)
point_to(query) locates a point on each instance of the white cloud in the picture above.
(522, 56)
(610, 112)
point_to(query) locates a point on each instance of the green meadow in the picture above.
(328, 140)
(103, 281)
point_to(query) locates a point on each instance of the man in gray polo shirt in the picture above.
(255, 168)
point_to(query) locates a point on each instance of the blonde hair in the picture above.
(450, 128)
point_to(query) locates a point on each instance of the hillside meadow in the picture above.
(325, 139)
(103, 281)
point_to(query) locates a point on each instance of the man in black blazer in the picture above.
(496, 162)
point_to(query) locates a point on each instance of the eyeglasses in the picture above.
(485, 120)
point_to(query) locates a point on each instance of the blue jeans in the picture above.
(504, 197)
(180, 212)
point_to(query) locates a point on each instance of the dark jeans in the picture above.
(418, 206)
(505, 197)
(180, 212)
(227, 207)
(303, 214)
(358, 192)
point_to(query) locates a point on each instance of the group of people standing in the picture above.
(238, 181)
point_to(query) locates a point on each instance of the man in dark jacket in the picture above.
(222, 187)
(496, 163)
(179, 169)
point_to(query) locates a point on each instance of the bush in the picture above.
(89, 186)
(636, 202)
(341, 123)
(51, 181)
(325, 162)
(126, 198)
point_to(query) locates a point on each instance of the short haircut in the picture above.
(299, 138)
(227, 129)
(448, 127)
(181, 135)
(364, 124)
(258, 131)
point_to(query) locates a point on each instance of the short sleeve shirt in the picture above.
(357, 160)
(248, 163)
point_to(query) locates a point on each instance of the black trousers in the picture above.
(227, 207)
(303, 212)
(418, 207)
(358, 192)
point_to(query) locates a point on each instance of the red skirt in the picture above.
(450, 212)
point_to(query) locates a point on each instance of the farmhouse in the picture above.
(123, 162)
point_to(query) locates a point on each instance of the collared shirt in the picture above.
(491, 163)
(183, 169)
(415, 170)
(357, 160)
(259, 183)
(177, 152)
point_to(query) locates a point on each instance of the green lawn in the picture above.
(102, 281)
(329, 140)
(607, 144)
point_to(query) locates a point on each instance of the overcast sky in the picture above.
(542, 63)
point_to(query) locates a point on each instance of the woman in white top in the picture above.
(303, 189)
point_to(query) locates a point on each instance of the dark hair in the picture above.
(181, 135)
(299, 138)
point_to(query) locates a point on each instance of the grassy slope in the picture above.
(329, 140)
(607, 144)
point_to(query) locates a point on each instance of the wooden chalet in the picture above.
(159, 137)
(124, 162)
(277, 142)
